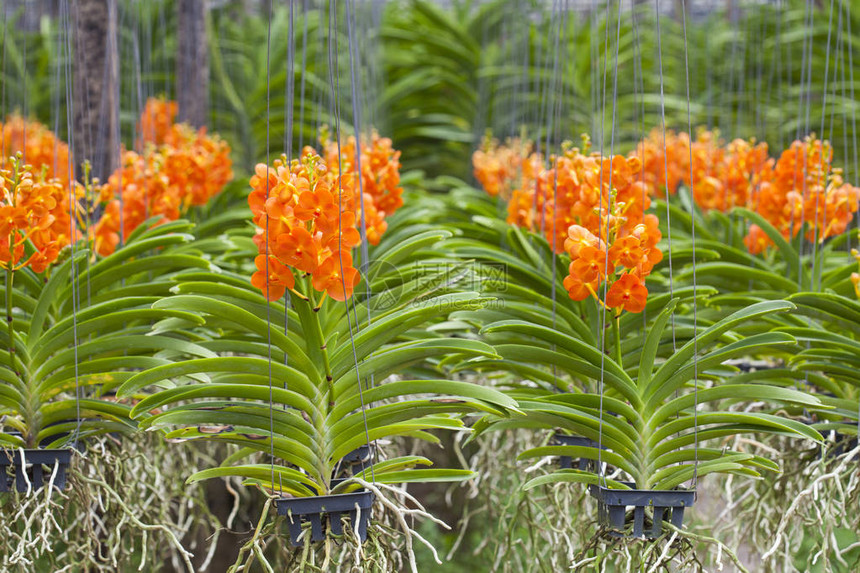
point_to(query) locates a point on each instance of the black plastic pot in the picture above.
(566, 462)
(357, 461)
(38, 468)
(318, 510)
(843, 444)
(613, 506)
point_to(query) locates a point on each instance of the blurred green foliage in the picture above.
(435, 79)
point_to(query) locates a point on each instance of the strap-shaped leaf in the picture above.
(677, 475)
(706, 454)
(129, 343)
(576, 367)
(596, 454)
(283, 448)
(442, 388)
(710, 335)
(789, 254)
(393, 358)
(573, 476)
(766, 421)
(220, 413)
(691, 369)
(245, 320)
(739, 273)
(387, 414)
(48, 293)
(281, 374)
(294, 482)
(343, 447)
(829, 307)
(594, 403)
(105, 323)
(823, 336)
(613, 432)
(591, 355)
(717, 432)
(388, 328)
(393, 256)
(433, 475)
(652, 341)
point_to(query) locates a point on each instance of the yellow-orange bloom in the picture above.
(40, 148)
(178, 167)
(305, 215)
(35, 217)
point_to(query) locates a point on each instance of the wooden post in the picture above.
(96, 86)
(192, 63)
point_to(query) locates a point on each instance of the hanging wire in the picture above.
(305, 14)
(666, 164)
(365, 256)
(543, 115)
(850, 50)
(25, 100)
(803, 75)
(553, 120)
(639, 118)
(72, 221)
(823, 177)
(602, 309)
(268, 276)
(693, 238)
(289, 104)
(556, 125)
(334, 81)
(289, 88)
(844, 114)
(3, 73)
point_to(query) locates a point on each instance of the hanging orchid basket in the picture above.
(566, 462)
(842, 444)
(355, 461)
(326, 511)
(623, 510)
(33, 469)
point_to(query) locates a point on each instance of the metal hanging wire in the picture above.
(334, 84)
(602, 309)
(268, 276)
(666, 163)
(355, 84)
(693, 241)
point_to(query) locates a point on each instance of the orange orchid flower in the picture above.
(628, 292)
(35, 211)
(176, 167)
(40, 148)
(307, 224)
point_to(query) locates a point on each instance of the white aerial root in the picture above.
(400, 513)
(121, 510)
(390, 538)
(129, 514)
(833, 478)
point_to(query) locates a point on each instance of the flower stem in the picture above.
(616, 328)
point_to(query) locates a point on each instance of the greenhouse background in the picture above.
(416, 285)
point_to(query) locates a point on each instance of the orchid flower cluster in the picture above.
(35, 216)
(380, 177)
(502, 168)
(617, 254)
(308, 215)
(40, 148)
(177, 167)
(592, 208)
(799, 189)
